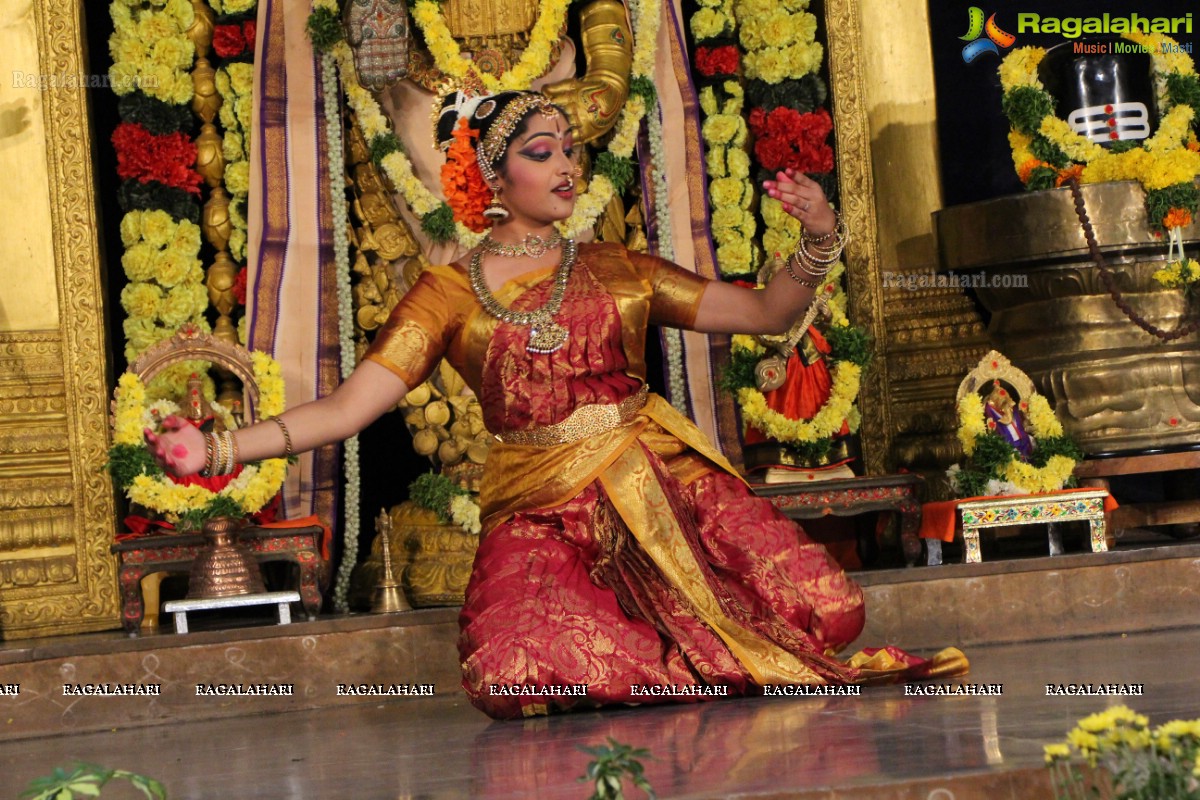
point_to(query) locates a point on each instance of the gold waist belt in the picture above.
(590, 420)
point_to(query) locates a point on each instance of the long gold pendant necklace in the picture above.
(545, 335)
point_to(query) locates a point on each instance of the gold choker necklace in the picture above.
(545, 335)
(533, 246)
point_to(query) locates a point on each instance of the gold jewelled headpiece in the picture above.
(505, 112)
(496, 139)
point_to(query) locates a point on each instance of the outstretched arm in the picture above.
(726, 308)
(369, 391)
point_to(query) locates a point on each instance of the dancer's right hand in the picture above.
(179, 449)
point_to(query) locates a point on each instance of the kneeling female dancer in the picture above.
(620, 551)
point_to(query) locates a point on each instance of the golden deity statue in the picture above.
(493, 34)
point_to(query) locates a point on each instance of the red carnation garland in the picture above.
(239, 286)
(786, 138)
(233, 39)
(717, 61)
(144, 157)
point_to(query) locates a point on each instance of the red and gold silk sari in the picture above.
(632, 561)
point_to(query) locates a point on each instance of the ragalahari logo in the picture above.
(976, 29)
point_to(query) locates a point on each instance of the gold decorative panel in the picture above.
(881, 82)
(56, 503)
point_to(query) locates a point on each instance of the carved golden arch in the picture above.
(195, 346)
(884, 111)
(995, 367)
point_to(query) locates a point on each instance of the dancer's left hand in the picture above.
(802, 197)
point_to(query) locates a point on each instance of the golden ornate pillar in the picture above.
(881, 80)
(56, 503)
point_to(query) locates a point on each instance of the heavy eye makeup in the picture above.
(541, 150)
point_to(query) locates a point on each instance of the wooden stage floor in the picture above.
(884, 744)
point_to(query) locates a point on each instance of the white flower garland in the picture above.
(341, 252)
(672, 337)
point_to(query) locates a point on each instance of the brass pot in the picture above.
(431, 560)
(223, 568)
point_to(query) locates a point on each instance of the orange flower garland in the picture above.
(1177, 218)
(467, 193)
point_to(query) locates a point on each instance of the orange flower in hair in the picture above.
(467, 193)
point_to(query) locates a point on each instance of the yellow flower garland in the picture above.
(589, 205)
(726, 160)
(252, 489)
(828, 421)
(780, 44)
(151, 51)
(1179, 274)
(839, 406)
(534, 61)
(1160, 161)
(235, 84)
(165, 290)
(972, 423)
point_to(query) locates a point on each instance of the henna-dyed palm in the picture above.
(803, 198)
(179, 449)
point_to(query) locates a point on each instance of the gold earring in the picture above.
(578, 171)
(495, 210)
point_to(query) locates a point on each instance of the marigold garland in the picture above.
(1046, 150)
(252, 490)
(974, 432)
(467, 193)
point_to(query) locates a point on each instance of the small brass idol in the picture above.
(389, 597)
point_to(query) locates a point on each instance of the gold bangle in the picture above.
(218, 455)
(225, 438)
(839, 230)
(209, 456)
(287, 437)
(234, 457)
(817, 270)
(788, 266)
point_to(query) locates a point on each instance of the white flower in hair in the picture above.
(463, 105)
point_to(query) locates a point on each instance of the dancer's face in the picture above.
(537, 181)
